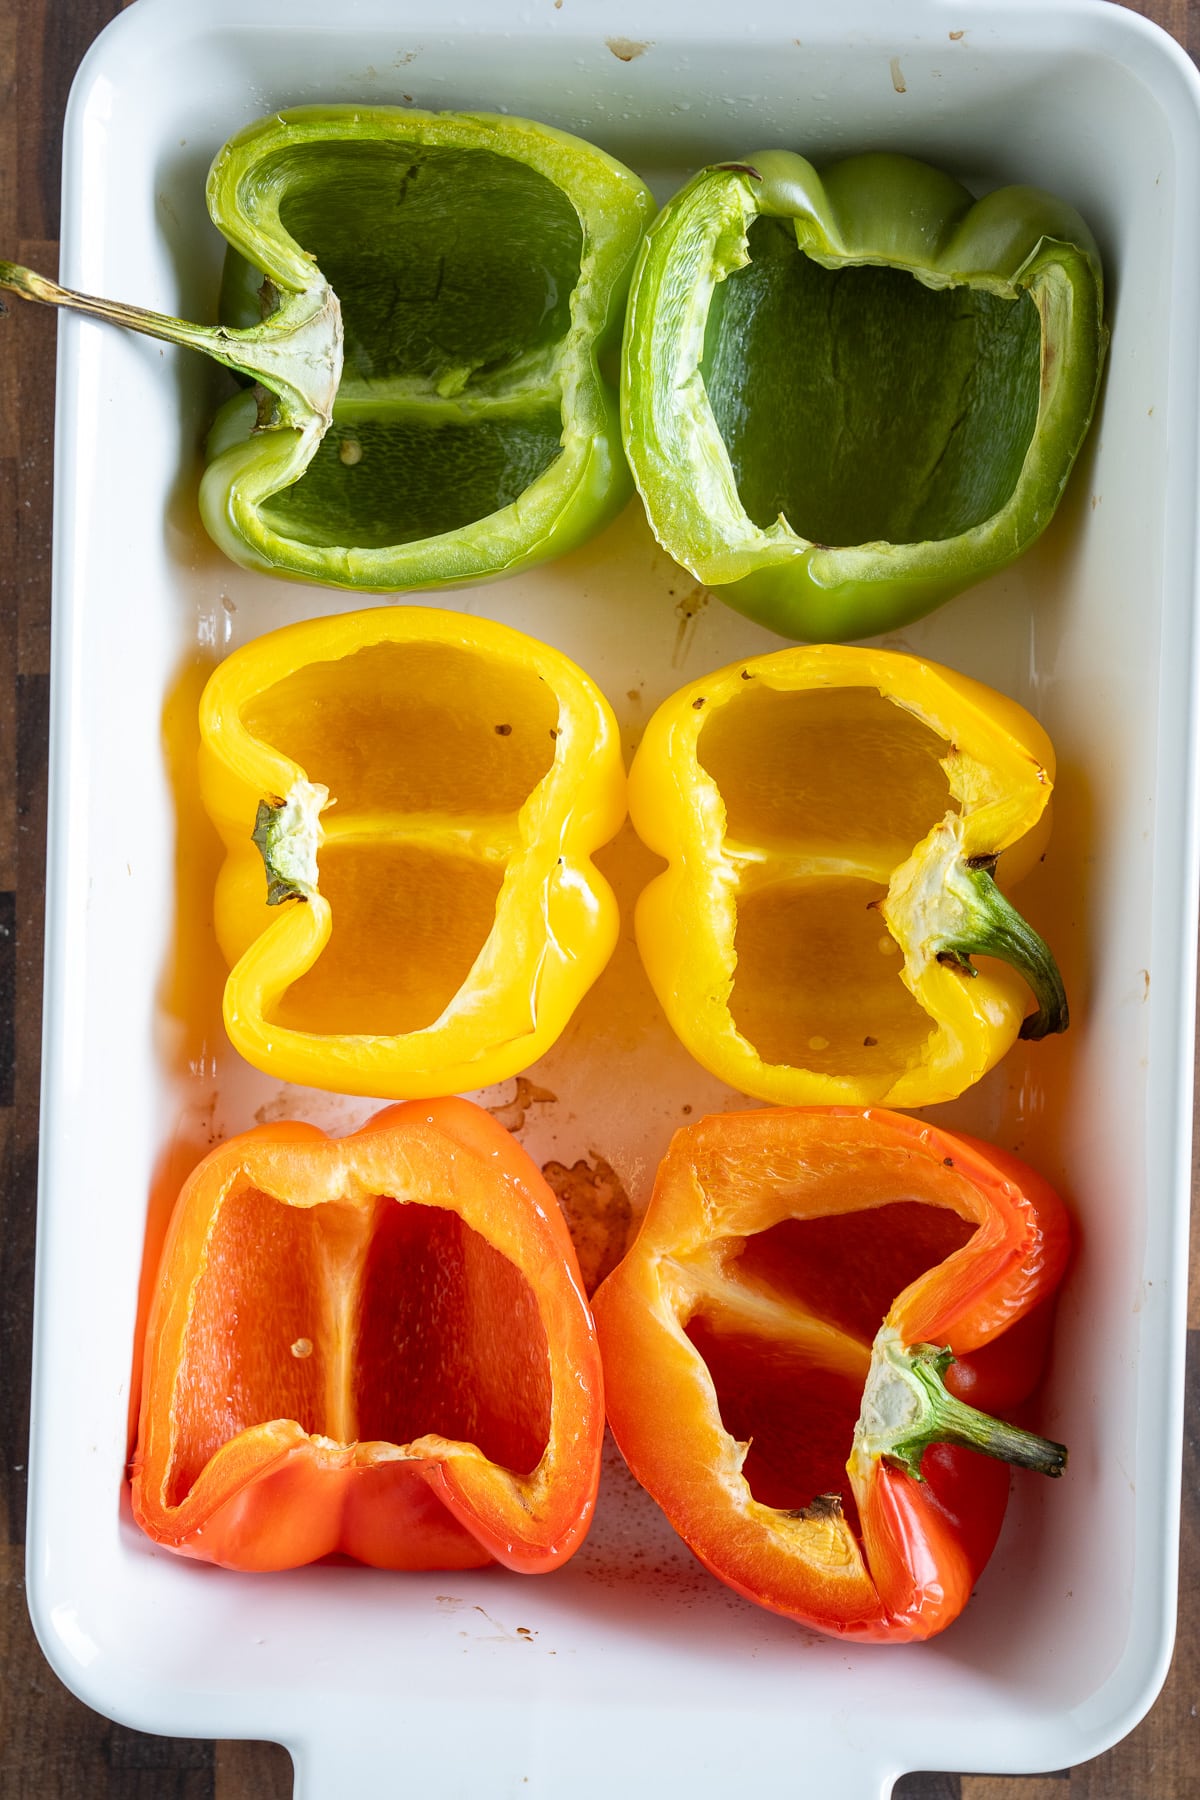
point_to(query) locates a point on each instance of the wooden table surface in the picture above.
(51, 1747)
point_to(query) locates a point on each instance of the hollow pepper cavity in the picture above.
(377, 1345)
(426, 304)
(849, 395)
(409, 801)
(832, 818)
(804, 1345)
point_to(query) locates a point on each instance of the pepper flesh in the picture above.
(426, 301)
(438, 916)
(377, 1345)
(848, 396)
(824, 812)
(742, 1329)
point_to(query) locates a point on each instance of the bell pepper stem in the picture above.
(990, 925)
(906, 1407)
(288, 835)
(296, 352)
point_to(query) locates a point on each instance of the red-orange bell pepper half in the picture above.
(378, 1345)
(811, 1456)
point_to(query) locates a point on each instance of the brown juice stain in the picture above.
(628, 49)
(596, 1208)
(513, 1113)
(688, 608)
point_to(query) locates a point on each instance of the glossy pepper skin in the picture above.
(377, 1345)
(801, 1448)
(830, 817)
(424, 302)
(409, 801)
(849, 395)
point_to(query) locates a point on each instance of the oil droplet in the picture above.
(887, 946)
(350, 452)
(818, 1043)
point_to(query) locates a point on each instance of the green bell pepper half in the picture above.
(427, 305)
(848, 396)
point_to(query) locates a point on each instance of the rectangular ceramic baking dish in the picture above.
(630, 1671)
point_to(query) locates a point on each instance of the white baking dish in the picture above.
(634, 1673)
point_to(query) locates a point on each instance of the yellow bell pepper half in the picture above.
(830, 818)
(425, 790)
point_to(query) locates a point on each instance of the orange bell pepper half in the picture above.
(378, 1345)
(811, 1456)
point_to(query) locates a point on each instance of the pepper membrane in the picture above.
(377, 1345)
(773, 1343)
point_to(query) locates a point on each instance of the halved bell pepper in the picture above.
(377, 1345)
(425, 302)
(804, 1344)
(831, 819)
(848, 396)
(409, 801)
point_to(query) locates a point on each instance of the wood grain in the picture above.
(51, 1747)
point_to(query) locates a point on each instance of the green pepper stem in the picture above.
(992, 926)
(296, 352)
(906, 1408)
(288, 834)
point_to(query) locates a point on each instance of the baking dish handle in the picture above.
(394, 1767)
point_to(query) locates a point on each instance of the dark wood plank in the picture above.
(1180, 18)
(30, 340)
(10, 430)
(9, 602)
(50, 42)
(261, 1770)
(29, 701)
